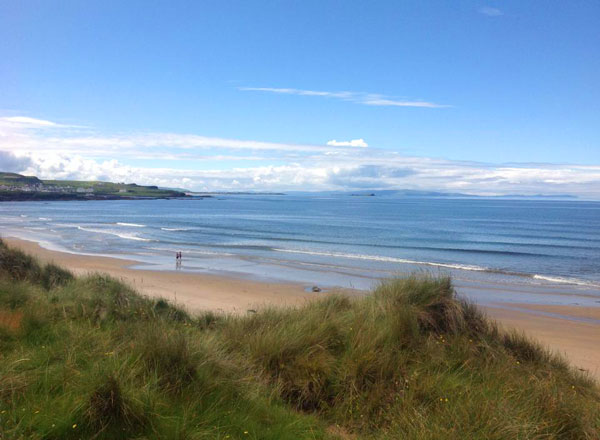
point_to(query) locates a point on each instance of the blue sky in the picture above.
(478, 96)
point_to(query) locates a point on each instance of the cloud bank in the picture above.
(201, 163)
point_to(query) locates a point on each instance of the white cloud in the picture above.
(26, 121)
(490, 12)
(353, 143)
(288, 91)
(204, 163)
(356, 97)
(395, 103)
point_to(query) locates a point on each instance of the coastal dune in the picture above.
(558, 327)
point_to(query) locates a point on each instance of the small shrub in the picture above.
(109, 410)
(476, 322)
(18, 265)
(12, 386)
(298, 353)
(169, 356)
(35, 325)
(166, 310)
(53, 276)
(14, 294)
(208, 320)
(526, 350)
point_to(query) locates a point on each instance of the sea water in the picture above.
(338, 240)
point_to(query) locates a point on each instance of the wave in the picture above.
(564, 280)
(268, 235)
(65, 225)
(194, 252)
(23, 215)
(386, 259)
(118, 234)
(44, 218)
(135, 225)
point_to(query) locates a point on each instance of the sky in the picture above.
(480, 97)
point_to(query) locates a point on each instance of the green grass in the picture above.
(90, 358)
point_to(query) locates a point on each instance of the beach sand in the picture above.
(570, 330)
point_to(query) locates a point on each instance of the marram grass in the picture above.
(88, 358)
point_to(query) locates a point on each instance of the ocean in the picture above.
(333, 241)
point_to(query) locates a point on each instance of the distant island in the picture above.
(408, 193)
(16, 187)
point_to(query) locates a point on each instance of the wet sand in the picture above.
(571, 330)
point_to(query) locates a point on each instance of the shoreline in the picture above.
(569, 329)
(193, 291)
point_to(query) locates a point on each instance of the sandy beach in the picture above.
(571, 330)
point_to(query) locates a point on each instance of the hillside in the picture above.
(17, 187)
(90, 358)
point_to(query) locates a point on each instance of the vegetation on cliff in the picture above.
(16, 187)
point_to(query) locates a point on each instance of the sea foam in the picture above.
(564, 280)
(382, 258)
(115, 233)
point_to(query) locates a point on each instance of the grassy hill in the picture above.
(18, 179)
(17, 187)
(90, 358)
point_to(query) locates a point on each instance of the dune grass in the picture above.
(90, 358)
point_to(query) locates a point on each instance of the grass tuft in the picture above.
(19, 266)
(53, 276)
(169, 356)
(108, 409)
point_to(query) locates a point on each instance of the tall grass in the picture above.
(90, 358)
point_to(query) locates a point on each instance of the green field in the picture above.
(67, 189)
(89, 358)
